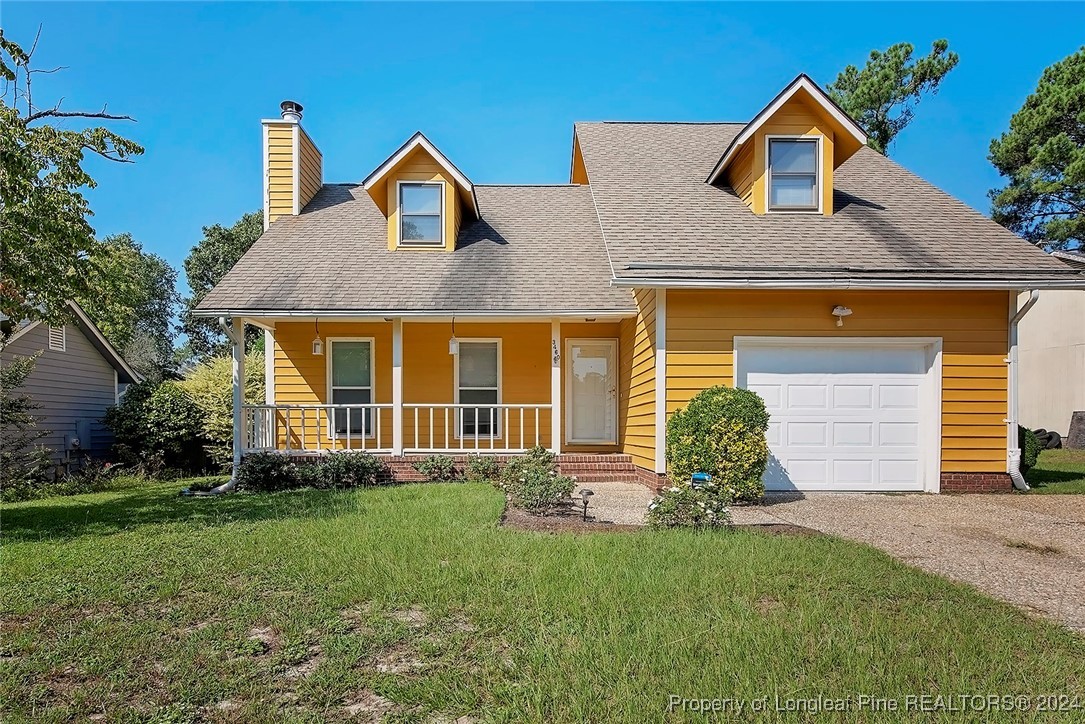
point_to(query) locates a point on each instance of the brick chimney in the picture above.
(293, 165)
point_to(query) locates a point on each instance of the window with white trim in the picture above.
(351, 383)
(420, 207)
(478, 383)
(793, 174)
(58, 338)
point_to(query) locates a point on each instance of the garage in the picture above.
(860, 415)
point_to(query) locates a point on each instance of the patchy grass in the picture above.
(412, 603)
(1058, 471)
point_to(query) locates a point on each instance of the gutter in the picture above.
(1013, 449)
(850, 283)
(230, 485)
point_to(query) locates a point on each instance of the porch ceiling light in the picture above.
(840, 311)
(318, 345)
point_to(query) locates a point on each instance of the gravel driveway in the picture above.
(1028, 550)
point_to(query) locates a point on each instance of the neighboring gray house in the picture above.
(76, 378)
(1052, 352)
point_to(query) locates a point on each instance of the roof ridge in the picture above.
(663, 123)
(531, 185)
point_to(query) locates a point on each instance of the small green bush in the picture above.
(481, 469)
(1030, 448)
(437, 468)
(683, 506)
(533, 483)
(156, 427)
(210, 385)
(354, 469)
(721, 432)
(268, 472)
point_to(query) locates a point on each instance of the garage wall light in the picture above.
(840, 311)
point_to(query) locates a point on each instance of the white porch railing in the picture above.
(313, 428)
(426, 428)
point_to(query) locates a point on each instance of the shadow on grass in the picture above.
(157, 504)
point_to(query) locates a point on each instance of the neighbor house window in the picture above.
(478, 384)
(420, 213)
(58, 338)
(793, 174)
(352, 384)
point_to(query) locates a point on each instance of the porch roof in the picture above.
(536, 251)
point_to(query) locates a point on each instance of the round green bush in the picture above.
(1030, 448)
(721, 432)
(683, 506)
(158, 426)
(268, 472)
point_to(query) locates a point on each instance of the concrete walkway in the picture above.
(622, 503)
(1028, 550)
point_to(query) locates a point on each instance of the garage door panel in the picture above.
(842, 418)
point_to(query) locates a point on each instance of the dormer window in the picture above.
(793, 174)
(420, 211)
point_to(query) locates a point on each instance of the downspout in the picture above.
(1013, 449)
(238, 346)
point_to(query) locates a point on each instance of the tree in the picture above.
(134, 302)
(205, 266)
(45, 238)
(1043, 157)
(883, 95)
(18, 427)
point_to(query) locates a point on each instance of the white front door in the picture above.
(591, 383)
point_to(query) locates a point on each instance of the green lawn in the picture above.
(412, 602)
(1058, 471)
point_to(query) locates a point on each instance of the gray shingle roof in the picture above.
(662, 221)
(537, 249)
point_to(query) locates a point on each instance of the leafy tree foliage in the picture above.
(205, 266)
(134, 302)
(45, 239)
(210, 386)
(18, 426)
(1043, 157)
(883, 95)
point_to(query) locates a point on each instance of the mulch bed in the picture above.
(566, 518)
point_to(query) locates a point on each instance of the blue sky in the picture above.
(496, 86)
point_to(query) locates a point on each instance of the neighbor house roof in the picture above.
(537, 250)
(664, 225)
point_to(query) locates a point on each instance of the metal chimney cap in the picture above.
(291, 110)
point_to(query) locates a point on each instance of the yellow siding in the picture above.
(578, 173)
(748, 173)
(280, 171)
(701, 326)
(312, 169)
(637, 376)
(420, 166)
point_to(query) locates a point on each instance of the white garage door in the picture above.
(843, 417)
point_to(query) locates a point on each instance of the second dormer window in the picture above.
(420, 214)
(793, 174)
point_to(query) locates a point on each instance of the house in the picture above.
(77, 376)
(419, 312)
(1052, 340)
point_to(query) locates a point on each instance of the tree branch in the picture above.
(55, 112)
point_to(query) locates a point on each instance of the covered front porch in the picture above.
(412, 386)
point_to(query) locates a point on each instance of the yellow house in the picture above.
(417, 312)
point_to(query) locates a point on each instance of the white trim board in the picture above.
(400, 183)
(416, 141)
(819, 183)
(930, 412)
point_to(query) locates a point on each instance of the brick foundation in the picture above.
(976, 483)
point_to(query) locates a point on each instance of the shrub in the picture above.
(684, 506)
(481, 469)
(158, 426)
(533, 483)
(1030, 448)
(20, 463)
(721, 432)
(210, 385)
(437, 468)
(350, 469)
(268, 472)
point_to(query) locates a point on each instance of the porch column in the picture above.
(269, 367)
(397, 387)
(661, 381)
(237, 325)
(555, 385)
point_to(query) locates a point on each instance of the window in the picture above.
(351, 383)
(478, 374)
(793, 174)
(420, 214)
(58, 338)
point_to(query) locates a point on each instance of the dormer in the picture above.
(423, 196)
(783, 160)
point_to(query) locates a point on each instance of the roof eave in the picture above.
(858, 283)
